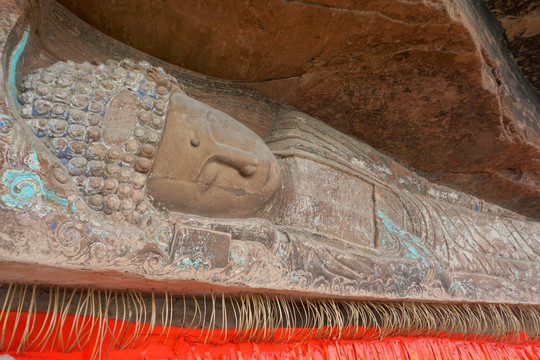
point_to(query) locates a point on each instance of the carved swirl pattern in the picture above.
(164, 236)
(80, 242)
(238, 253)
(152, 263)
(69, 236)
(26, 190)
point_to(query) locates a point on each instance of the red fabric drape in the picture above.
(184, 343)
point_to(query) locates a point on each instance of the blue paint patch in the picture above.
(27, 189)
(53, 225)
(477, 207)
(13, 65)
(5, 123)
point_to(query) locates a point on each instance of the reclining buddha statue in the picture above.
(172, 189)
(145, 205)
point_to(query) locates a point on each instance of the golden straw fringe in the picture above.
(241, 318)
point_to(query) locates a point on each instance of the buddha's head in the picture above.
(210, 164)
(127, 133)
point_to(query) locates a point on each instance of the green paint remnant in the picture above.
(193, 264)
(13, 65)
(412, 245)
(33, 162)
(27, 190)
(100, 232)
(238, 257)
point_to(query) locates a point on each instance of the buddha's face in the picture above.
(209, 164)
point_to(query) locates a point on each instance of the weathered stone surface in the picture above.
(123, 107)
(429, 83)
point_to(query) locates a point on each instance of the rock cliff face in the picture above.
(521, 23)
(428, 83)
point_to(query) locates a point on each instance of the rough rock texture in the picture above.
(414, 79)
(521, 23)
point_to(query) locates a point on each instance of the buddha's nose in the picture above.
(244, 161)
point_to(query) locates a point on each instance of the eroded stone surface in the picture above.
(429, 243)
